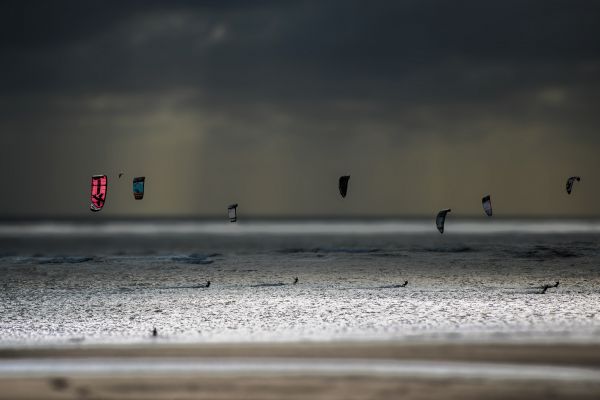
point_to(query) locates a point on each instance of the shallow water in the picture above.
(293, 366)
(113, 282)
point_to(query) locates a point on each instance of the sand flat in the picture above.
(288, 387)
(375, 370)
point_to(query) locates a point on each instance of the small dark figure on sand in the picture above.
(404, 284)
(295, 280)
(207, 283)
(546, 287)
(154, 332)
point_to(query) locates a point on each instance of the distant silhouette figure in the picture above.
(154, 332)
(207, 283)
(59, 383)
(404, 284)
(295, 280)
(546, 287)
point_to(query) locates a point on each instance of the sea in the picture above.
(80, 282)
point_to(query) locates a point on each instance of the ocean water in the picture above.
(111, 282)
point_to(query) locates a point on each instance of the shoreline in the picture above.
(581, 354)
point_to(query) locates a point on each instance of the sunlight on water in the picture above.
(78, 283)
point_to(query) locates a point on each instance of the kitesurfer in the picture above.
(546, 287)
(232, 212)
(486, 202)
(571, 182)
(343, 185)
(98, 192)
(441, 219)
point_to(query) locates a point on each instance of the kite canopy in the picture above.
(98, 195)
(441, 218)
(570, 183)
(138, 187)
(487, 205)
(121, 174)
(343, 184)
(232, 211)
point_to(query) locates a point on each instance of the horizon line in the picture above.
(282, 217)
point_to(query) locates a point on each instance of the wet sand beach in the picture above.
(374, 370)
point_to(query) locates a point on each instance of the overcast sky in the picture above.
(426, 104)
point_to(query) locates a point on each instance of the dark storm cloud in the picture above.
(295, 78)
(298, 53)
(305, 48)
